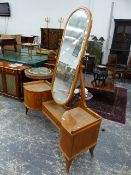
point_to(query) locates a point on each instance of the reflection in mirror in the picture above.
(75, 35)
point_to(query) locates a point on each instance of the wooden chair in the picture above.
(128, 69)
(115, 69)
(30, 43)
(112, 60)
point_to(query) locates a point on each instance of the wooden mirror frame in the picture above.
(79, 66)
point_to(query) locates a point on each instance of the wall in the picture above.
(28, 16)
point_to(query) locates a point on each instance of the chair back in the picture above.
(112, 59)
(129, 61)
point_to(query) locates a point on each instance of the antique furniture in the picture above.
(50, 38)
(30, 42)
(121, 40)
(34, 61)
(52, 58)
(114, 68)
(7, 41)
(34, 93)
(89, 63)
(112, 60)
(39, 73)
(108, 87)
(117, 70)
(79, 125)
(128, 68)
(128, 72)
(11, 46)
(100, 74)
(11, 79)
(30, 47)
(27, 39)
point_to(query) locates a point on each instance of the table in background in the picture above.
(35, 61)
(30, 47)
(7, 41)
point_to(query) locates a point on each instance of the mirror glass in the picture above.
(69, 56)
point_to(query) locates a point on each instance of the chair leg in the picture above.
(68, 164)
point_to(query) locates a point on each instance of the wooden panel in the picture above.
(53, 39)
(11, 79)
(121, 40)
(79, 131)
(50, 38)
(18, 40)
(53, 111)
(11, 84)
(35, 93)
(1, 82)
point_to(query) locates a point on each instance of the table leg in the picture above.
(26, 110)
(15, 47)
(2, 49)
(68, 164)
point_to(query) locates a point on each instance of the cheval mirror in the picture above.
(79, 125)
(73, 45)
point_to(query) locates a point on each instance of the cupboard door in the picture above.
(11, 84)
(53, 39)
(121, 42)
(50, 38)
(44, 38)
(1, 83)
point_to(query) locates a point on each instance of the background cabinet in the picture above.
(27, 39)
(50, 38)
(11, 80)
(121, 42)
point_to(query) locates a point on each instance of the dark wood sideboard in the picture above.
(121, 42)
(50, 38)
(27, 39)
(11, 79)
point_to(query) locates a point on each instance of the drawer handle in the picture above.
(9, 71)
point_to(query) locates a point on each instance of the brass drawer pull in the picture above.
(9, 71)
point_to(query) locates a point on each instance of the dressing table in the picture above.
(78, 125)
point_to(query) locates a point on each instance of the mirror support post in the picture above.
(82, 86)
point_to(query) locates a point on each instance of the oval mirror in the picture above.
(72, 49)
